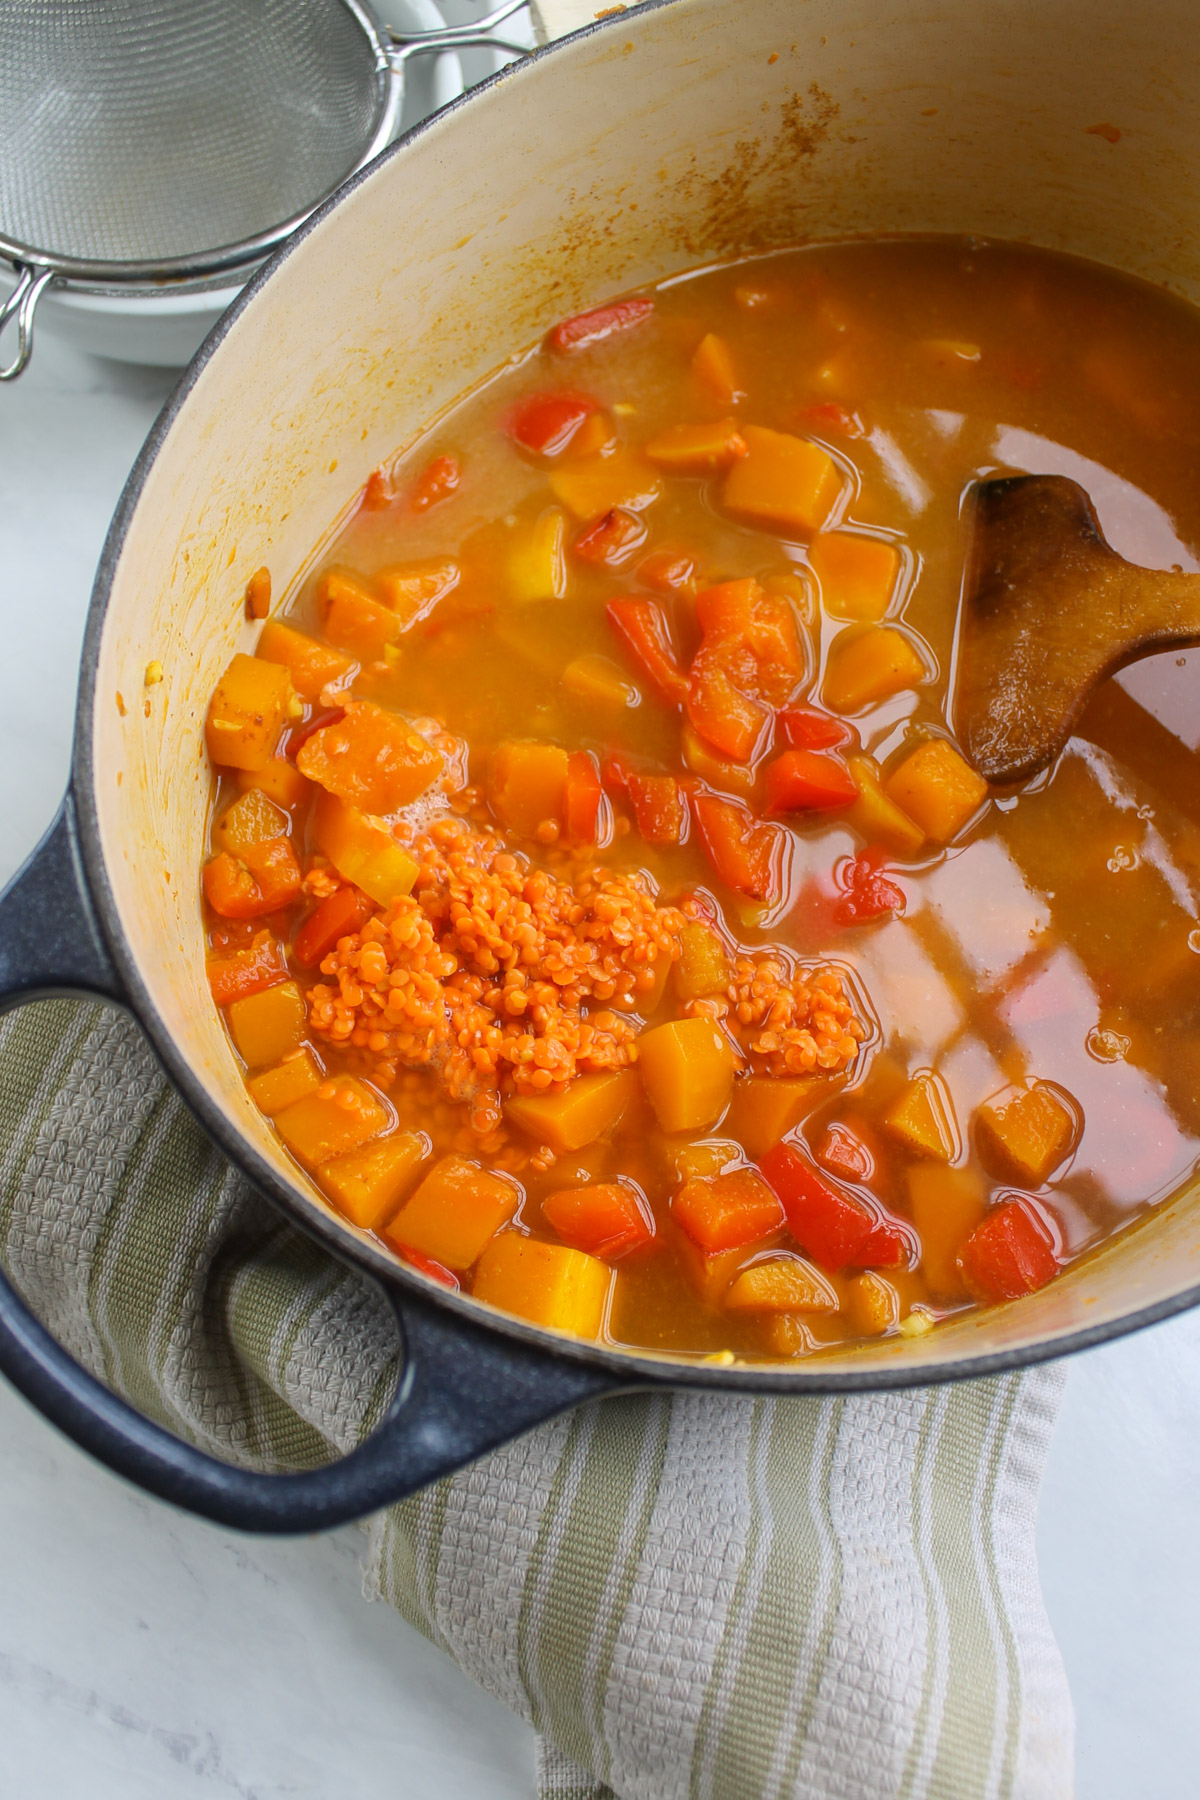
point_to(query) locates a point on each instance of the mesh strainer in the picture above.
(153, 141)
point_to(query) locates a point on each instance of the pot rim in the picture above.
(630, 1367)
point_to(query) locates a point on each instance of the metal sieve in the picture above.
(145, 142)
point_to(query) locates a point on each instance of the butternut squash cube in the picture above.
(582, 1112)
(297, 1076)
(697, 449)
(687, 1072)
(372, 758)
(867, 666)
(922, 1118)
(712, 768)
(456, 1211)
(527, 783)
(872, 1305)
(876, 817)
(368, 1185)
(253, 702)
(342, 1114)
(548, 1284)
(783, 483)
(412, 590)
(363, 850)
(265, 1026)
(710, 1272)
(938, 788)
(536, 566)
(594, 485)
(788, 1335)
(252, 819)
(354, 617)
(946, 1205)
(765, 1108)
(703, 965)
(279, 779)
(598, 681)
(1026, 1138)
(713, 367)
(312, 664)
(857, 574)
(781, 1284)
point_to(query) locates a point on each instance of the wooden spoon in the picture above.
(1049, 610)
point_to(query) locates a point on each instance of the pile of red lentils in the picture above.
(787, 1018)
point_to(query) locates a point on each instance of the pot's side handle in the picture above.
(463, 1389)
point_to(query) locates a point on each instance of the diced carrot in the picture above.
(247, 971)
(873, 1305)
(806, 728)
(946, 1204)
(597, 681)
(668, 571)
(713, 367)
(368, 1185)
(807, 781)
(412, 590)
(721, 1212)
(258, 594)
(687, 1069)
(313, 665)
(870, 665)
(1012, 1252)
(551, 1285)
(748, 616)
(260, 879)
(536, 563)
(279, 780)
(297, 1077)
(339, 915)
(765, 1108)
(857, 574)
(867, 894)
(354, 617)
(544, 424)
(253, 818)
(781, 1284)
(342, 1114)
(371, 758)
(1027, 1137)
(844, 1154)
(642, 628)
(876, 817)
(703, 965)
(439, 479)
(835, 1227)
(715, 771)
(612, 540)
(720, 708)
(601, 322)
(363, 850)
(527, 784)
(607, 1218)
(577, 1114)
(744, 852)
(697, 449)
(593, 485)
(922, 1118)
(583, 797)
(938, 788)
(658, 807)
(265, 1026)
(457, 1210)
(253, 702)
(783, 483)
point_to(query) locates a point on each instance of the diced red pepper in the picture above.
(806, 728)
(658, 807)
(601, 322)
(584, 794)
(339, 915)
(1011, 1252)
(829, 417)
(259, 879)
(425, 1265)
(299, 736)
(743, 614)
(546, 423)
(611, 540)
(807, 781)
(437, 481)
(247, 971)
(835, 1228)
(667, 571)
(377, 491)
(868, 894)
(721, 702)
(642, 627)
(743, 851)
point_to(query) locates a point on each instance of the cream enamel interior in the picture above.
(669, 137)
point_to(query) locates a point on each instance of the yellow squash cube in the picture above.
(876, 817)
(368, 1185)
(938, 788)
(865, 667)
(265, 1026)
(363, 850)
(783, 483)
(687, 1070)
(536, 566)
(548, 1284)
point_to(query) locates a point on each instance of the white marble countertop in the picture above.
(147, 1656)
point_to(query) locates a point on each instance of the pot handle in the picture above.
(463, 1389)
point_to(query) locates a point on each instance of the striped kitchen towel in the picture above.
(690, 1597)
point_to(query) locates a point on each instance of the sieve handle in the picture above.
(20, 304)
(479, 36)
